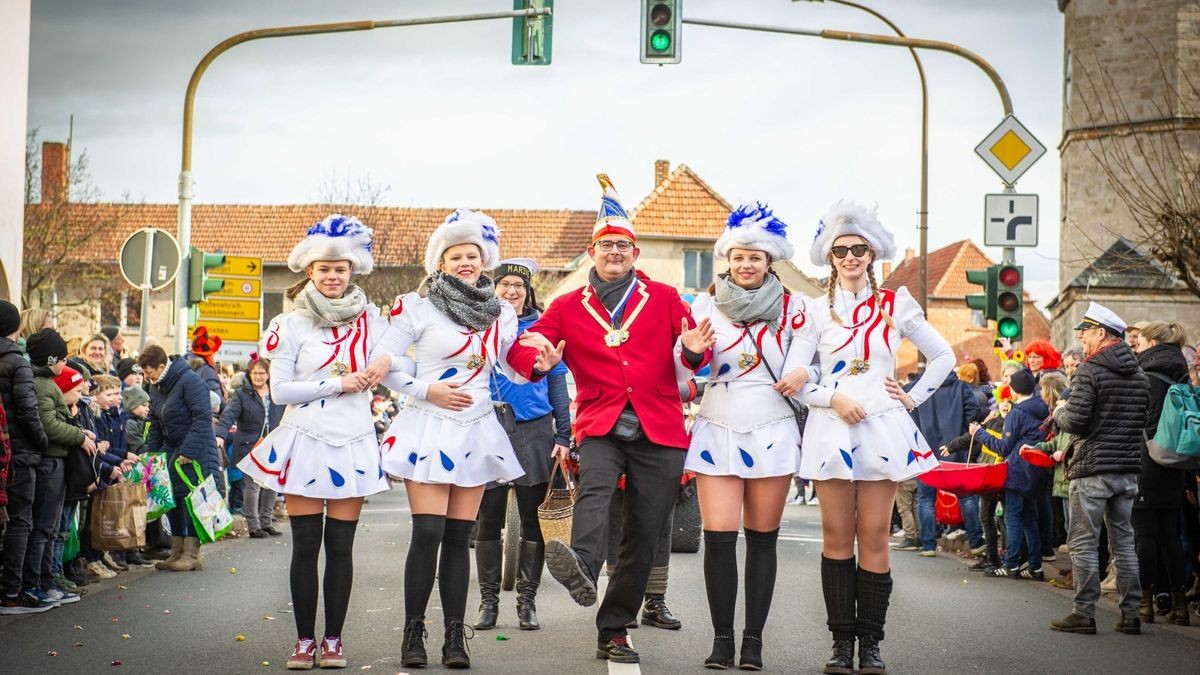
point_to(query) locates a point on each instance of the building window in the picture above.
(978, 320)
(697, 269)
(121, 308)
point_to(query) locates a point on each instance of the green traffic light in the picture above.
(1008, 328)
(660, 41)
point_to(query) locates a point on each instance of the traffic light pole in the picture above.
(185, 172)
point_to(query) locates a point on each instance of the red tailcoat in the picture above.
(641, 370)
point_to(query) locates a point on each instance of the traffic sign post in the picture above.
(1010, 150)
(1010, 219)
(149, 261)
(235, 311)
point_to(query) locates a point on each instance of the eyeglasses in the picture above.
(608, 245)
(511, 285)
(859, 250)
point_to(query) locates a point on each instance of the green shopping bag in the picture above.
(152, 471)
(210, 514)
(71, 547)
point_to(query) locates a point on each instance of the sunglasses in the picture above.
(859, 250)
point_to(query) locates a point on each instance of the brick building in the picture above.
(965, 328)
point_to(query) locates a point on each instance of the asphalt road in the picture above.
(944, 619)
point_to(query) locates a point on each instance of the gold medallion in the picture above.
(615, 337)
(474, 362)
(339, 369)
(859, 366)
(747, 360)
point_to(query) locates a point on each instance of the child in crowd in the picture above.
(136, 413)
(129, 373)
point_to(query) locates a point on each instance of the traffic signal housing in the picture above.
(984, 302)
(200, 286)
(661, 22)
(532, 36)
(1010, 301)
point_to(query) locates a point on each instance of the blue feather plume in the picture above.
(338, 225)
(758, 212)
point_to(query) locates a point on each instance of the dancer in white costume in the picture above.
(325, 357)
(745, 443)
(860, 440)
(447, 443)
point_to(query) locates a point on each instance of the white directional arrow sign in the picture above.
(1010, 220)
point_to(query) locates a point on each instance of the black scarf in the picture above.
(610, 292)
(475, 307)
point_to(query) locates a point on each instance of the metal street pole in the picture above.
(185, 172)
(147, 270)
(923, 211)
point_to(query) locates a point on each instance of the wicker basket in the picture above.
(556, 513)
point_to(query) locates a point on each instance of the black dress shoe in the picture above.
(272, 531)
(721, 657)
(656, 613)
(869, 660)
(567, 569)
(842, 660)
(258, 534)
(617, 650)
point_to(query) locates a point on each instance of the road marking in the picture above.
(625, 668)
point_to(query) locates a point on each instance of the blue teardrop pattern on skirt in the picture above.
(310, 482)
(847, 458)
(746, 458)
(412, 458)
(272, 456)
(707, 456)
(912, 457)
(338, 480)
(360, 472)
(450, 372)
(723, 369)
(447, 463)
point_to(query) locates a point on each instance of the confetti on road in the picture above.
(115, 619)
(122, 587)
(125, 636)
(78, 644)
(501, 637)
(78, 627)
(268, 618)
(166, 611)
(233, 570)
(116, 662)
(266, 663)
(51, 653)
(240, 638)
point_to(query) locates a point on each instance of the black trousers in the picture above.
(987, 517)
(652, 475)
(1157, 542)
(662, 554)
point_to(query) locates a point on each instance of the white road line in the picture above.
(625, 668)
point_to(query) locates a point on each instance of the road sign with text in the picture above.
(238, 266)
(230, 308)
(1010, 220)
(240, 288)
(237, 331)
(1010, 150)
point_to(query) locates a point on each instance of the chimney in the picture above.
(54, 172)
(662, 169)
(887, 270)
(909, 254)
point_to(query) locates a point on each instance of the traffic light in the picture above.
(531, 43)
(1010, 301)
(199, 285)
(661, 21)
(985, 302)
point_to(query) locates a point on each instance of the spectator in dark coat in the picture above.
(253, 414)
(1106, 412)
(1160, 490)
(941, 419)
(181, 425)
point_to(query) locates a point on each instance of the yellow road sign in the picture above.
(1010, 149)
(238, 331)
(228, 308)
(237, 265)
(239, 288)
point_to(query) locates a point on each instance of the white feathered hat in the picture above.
(754, 226)
(850, 218)
(464, 226)
(337, 237)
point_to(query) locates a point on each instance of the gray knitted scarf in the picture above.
(475, 306)
(747, 305)
(328, 312)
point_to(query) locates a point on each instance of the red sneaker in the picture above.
(303, 655)
(331, 653)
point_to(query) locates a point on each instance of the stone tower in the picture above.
(1131, 115)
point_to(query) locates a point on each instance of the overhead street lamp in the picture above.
(185, 172)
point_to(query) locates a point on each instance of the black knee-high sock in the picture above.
(721, 579)
(839, 585)
(306, 546)
(339, 572)
(761, 564)
(874, 591)
(454, 569)
(421, 565)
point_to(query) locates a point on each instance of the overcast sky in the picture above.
(439, 115)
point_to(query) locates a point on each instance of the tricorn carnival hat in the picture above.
(611, 218)
(1099, 315)
(850, 218)
(337, 237)
(464, 226)
(754, 226)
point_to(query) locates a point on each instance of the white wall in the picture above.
(14, 89)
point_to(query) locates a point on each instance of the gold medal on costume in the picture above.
(747, 360)
(475, 361)
(615, 337)
(859, 366)
(339, 369)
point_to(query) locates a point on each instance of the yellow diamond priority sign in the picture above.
(1010, 150)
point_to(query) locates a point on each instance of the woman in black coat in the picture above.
(253, 414)
(181, 425)
(1160, 490)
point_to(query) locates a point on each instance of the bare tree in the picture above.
(1154, 168)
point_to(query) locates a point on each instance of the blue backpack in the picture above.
(1176, 441)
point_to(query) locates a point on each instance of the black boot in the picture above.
(839, 583)
(412, 649)
(722, 653)
(873, 591)
(454, 649)
(487, 566)
(656, 613)
(751, 658)
(529, 576)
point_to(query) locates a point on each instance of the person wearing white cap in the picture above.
(541, 430)
(1106, 412)
(628, 341)
(447, 444)
(745, 444)
(326, 355)
(860, 442)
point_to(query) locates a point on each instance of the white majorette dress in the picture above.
(325, 445)
(744, 427)
(430, 444)
(854, 360)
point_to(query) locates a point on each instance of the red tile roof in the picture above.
(947, 271)
(683, 205)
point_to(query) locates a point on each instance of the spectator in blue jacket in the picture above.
(181, 425)
(1022, 426)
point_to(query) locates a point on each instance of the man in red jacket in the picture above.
(628, 341)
